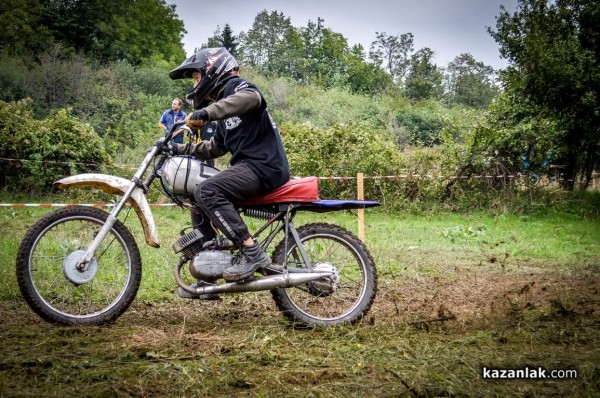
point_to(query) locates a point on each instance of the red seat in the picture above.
(298, 190)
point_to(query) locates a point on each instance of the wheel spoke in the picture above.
(345, 296)
(56, 289)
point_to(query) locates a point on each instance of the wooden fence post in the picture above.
(361, 212)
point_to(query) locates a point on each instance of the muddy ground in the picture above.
(425, 336)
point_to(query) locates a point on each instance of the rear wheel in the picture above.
(341, 299)
(56, 289)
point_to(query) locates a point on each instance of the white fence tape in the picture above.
(76, 204)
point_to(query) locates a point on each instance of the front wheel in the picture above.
(342, 299)
(56, 289)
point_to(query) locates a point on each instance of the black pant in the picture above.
(215, 197)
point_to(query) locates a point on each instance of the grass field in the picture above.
(456, 293)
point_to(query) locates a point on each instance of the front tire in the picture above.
(320, 303)
(56, 290)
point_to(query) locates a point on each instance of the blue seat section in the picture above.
(343, 204)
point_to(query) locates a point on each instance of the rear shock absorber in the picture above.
(259, 213)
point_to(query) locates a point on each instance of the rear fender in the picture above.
(117, 185)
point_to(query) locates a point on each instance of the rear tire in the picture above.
(60, 293)
(318, 303)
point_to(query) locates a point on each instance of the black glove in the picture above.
(200, 115)
(168, 148)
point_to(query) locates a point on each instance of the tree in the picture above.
(224, 38)
(21, 30)
(424, 79)
(392, 53)
(57, 80)
(554, 54)
(264, 38)
(470, 82)
(143, 30)
(363, 77)
(108, 30)
(329, 57)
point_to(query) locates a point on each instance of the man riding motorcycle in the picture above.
(246, 130)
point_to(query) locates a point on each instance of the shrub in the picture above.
(341, 151)
(47, 149)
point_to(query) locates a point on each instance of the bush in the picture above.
(422, 125)
(48, 149)
(326, 108)
(341, 151)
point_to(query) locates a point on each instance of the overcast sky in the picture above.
(448, 27)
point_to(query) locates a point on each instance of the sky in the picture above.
(448, 27)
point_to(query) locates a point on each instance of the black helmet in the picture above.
(216, 65)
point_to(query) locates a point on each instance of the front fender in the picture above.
(117, 185)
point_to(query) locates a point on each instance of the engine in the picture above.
(205, 264)
(209, 265)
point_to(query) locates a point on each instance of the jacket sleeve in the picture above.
(204, 150)
(236, 104)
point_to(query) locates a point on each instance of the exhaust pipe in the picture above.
(264, 283)
(261, 283)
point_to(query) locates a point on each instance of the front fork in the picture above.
(136, 182)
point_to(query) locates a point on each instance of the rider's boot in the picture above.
(187, 295)
(250, 259)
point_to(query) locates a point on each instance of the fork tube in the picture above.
(112, 217)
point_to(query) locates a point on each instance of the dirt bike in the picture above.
(81, 265)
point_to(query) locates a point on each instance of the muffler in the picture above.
(263, 283)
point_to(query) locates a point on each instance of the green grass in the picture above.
(456, 292)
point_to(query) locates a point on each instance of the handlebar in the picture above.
(176, 126)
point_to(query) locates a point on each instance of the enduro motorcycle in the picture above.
(81, 265)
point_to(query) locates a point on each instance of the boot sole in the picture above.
(238, 277)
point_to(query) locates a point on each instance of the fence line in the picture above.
(332, 178)
(118, 166)
(77, 204)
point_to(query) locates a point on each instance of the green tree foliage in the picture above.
(312, 54)
(393, 53)
(264, 39)
(515, 138)
(143, 30)
(363, 77)
(58, 145)
(470, 82)
(224, 38)
(107, 30)
(13, 82)
(21, 27)
(58, 80)
(424, 80)
(554, 54)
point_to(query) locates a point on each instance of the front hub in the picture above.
(79, 276)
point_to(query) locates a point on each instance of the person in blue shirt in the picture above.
(171, 116)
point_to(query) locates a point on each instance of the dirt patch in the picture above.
(425, 336)
(475, 297)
